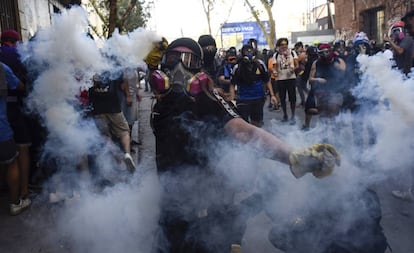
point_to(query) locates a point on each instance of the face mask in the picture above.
(326, 55)
(179, 80)
(362, 49)
(179, 77)
(397, 34)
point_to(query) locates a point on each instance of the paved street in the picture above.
(41, 229)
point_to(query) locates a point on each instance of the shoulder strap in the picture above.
(224, 104)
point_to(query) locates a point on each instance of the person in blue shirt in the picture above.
(251, 76)
(8, 148)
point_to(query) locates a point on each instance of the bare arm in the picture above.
(125, 89)
(340, 64)
(272, 92)
(273, 147)
(232, 90)
(399, 50)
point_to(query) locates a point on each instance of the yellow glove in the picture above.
(153, 58)
(319, 159)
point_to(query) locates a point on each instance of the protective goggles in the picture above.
(188, 59)
(396, 30)
(161, 84)
(324, 52)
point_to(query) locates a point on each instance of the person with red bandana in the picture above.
(327, 81)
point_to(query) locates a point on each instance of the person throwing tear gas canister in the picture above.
(190, 119)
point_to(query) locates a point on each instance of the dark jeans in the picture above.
(289, 87)
(252, 110)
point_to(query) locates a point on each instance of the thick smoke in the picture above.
(123, 218)
(62, 60)
(375, 145)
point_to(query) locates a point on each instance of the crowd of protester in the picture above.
(223, 93)
(112, 103)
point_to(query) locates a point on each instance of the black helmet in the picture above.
(339, 43)
(246, 48)
(206, 40)
(252, 42)
(311, 50)
(176, 52)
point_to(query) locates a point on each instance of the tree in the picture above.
(267, 5)
(208, 6)
(126, 15)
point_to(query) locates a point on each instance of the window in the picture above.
(373, 23)
(8, 17)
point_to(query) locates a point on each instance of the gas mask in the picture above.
(397, 34)
(326, 55)
(362, 48)
(248, 57)
(179, 80)
(248, 54)
(179, 77)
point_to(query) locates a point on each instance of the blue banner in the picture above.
(248, 30)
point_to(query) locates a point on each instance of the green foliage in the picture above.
(131, 14)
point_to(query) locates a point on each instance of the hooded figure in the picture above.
(208, 45)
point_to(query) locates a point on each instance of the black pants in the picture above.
(252, 110)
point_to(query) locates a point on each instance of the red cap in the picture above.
(9, 35)
(398, 24)
(324, 46)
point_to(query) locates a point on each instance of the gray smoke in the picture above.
(123, 218)
(63, 61)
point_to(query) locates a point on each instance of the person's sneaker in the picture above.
(404, 195)
(285, 118)
(292, 121)
(16, 209)
(235, 248)
(129, 162)
(305, 128)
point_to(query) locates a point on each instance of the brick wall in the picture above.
(349, 18)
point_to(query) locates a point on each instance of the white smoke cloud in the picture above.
(63, 60)
(123, 218)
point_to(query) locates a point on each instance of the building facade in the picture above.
(27, 17)
(374, 17)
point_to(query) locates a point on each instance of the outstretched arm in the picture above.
(273, 147)
(318, 159)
